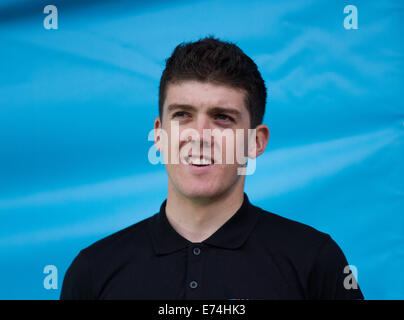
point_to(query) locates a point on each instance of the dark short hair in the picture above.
(215, 61)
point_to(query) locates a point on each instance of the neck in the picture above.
(197, 219)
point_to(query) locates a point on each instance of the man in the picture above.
(208, 241)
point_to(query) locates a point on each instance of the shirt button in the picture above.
(197, 251)
(193, 284)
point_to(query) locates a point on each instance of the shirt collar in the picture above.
(231, 235)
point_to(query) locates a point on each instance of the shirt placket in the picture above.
(194, 283)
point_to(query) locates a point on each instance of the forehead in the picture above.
(204, 95)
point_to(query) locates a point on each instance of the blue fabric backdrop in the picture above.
(77, 104)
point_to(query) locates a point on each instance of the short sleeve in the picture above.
(77, 283)
(331, 278)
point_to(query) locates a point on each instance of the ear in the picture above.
(258, 140)
(157, 134)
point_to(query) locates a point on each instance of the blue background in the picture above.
(77, 104)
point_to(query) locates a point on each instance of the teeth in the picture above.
(199, 161)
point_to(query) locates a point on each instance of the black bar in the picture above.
(207, 309)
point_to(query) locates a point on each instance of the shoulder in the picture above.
(95, 263)
(129, 239)
(316, 259)
(288, 232)
(290, 240)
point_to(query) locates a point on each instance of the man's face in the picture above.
(198, 106)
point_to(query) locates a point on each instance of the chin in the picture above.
(201, 192)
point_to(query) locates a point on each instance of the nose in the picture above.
(202, 123)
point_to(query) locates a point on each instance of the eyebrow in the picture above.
(186, 107)
(175, 106)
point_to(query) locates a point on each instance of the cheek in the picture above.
(234, 151)
(171, 143)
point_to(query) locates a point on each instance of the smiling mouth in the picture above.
(198, 161)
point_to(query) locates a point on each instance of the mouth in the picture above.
(199, 162)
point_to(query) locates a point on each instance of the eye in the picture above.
(224, 117)
(180, 114)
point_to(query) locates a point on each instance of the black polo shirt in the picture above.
(256, 254)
